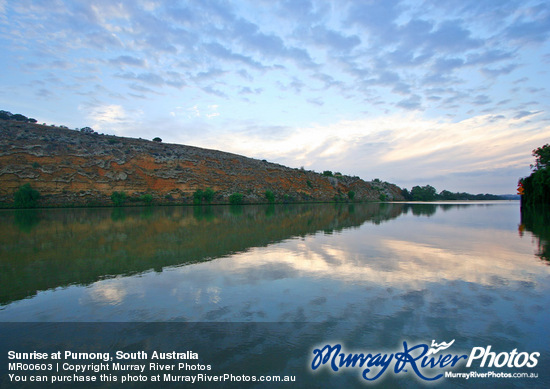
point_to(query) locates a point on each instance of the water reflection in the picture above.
(537, 221)
(45, 249)
(366, 275)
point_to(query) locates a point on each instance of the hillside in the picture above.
(84, 168)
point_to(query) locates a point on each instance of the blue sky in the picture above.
(448, 93)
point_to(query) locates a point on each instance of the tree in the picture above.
(208, 195)
(424, 193)
(542, 157)
(157, 139)
(536, 187)
(447, 195)
(20, 118)
(147, 198)
(351, 195)
(197, 196)
(5, 115)
(236, 198)
(26, 197)
(118, 198)
(270, 196)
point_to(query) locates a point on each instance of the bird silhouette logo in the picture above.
(438, 347)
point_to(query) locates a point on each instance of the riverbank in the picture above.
(75, 168)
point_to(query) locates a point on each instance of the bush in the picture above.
(270, 196)
(118, 198)
(351, 195)
(197, 196)
(157, 139)
(327, 173)
(309, 184)
(26, 197)
(147, 198)
(236, 198)
(206, 195)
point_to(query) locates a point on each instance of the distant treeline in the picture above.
(429, 193)
(5, 115)
(535, 189)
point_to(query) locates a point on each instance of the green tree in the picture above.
(542, 157)
(447, 195)
(147, 198)
(20, 118)
(236, 198)
(26, 197)
(270, 196)
(118, 198)
(351, 195)
(197, 196)
(208, 195)
(536, 187)
(424, 193)
(157, 139)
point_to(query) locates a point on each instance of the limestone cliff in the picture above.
(74, 167)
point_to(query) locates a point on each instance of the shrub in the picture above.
(147, 198)
(197, 196)
(26, 197)
(308, 183)
(351, 195)
(208, 195)
(157, 139)
(327, 173)
(383, 197)
(236, 198)
(270, 196)
(118, 198)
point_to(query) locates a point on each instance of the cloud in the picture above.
(333, 40)
(411, 103)
(147, 78)
(396, 146)
(500, 71)
(531, 26)
(291, 64)
(128, 60)
(106, 116)
(222, 52)
(523, 114)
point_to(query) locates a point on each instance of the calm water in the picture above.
(369, 276)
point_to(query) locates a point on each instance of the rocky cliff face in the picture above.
(72, 167)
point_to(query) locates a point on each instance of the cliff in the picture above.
(74, 167)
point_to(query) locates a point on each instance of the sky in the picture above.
(453, 94)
